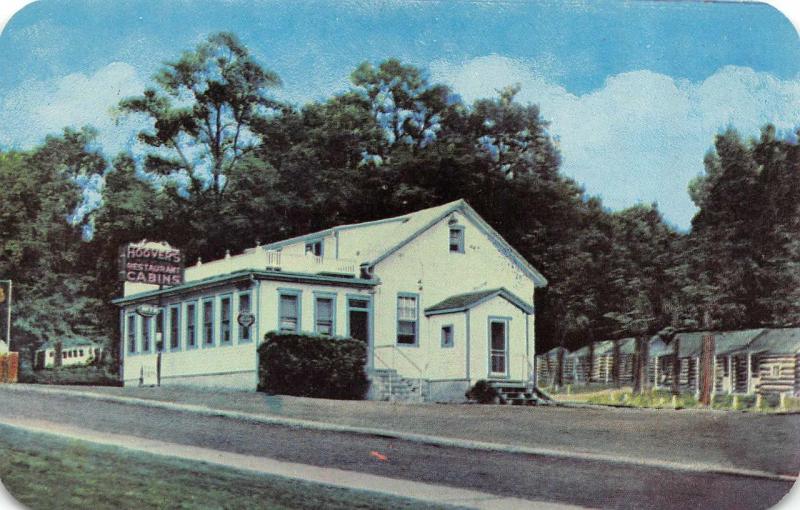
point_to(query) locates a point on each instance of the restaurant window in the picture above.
(447, 336)
(191, 325)
(225, 320)
(323, 315)
(131, 333)
(146, 332)
(314, 247)
(208, 321)
(244, 307)
(174, 327)
(407, 318)
(456, 239)
(289, 311)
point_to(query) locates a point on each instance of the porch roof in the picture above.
(245, 275)
(462, 302)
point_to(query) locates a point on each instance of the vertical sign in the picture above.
(5, 314)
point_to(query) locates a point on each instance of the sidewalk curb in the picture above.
(413, 437)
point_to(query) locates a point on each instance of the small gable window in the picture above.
(314, 247)
(456, 239)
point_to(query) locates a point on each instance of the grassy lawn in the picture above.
(662, 399)
(45, 472)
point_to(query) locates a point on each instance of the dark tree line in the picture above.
(225, 166)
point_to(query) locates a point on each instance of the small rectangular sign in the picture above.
(146, 263)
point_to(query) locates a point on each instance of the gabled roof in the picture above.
(391, 234)
(603, 348)
(69, 343)
(462, 302)
(778, 341)
(729, 341)
(553, 353)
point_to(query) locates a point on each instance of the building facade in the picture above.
(439, 297)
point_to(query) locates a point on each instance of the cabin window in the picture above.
(289, 311)
(131, 333)
(244, 307)
(314, 247)
(456, 239)
(146, 332)
(447, 336)
(323, 315)
(225, 320)
(80, 353)
(191, 329)
(174, 327)
(52, 355)
(208, 321)
(407, 318)
(776, 371)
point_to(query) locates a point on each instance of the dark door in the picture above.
(358, 318)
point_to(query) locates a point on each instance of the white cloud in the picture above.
(643, 135)
(38, 108)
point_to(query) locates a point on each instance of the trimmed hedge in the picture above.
(312, 366)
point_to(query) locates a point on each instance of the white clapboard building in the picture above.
(441, 299)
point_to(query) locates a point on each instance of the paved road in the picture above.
(586, 483)
(742, 440)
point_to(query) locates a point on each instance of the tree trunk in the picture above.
(640, 359)
(615, 364)
(676, 366)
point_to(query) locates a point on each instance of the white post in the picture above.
(749, 381)
(731, 376)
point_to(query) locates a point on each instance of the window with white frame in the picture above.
(314, 247)
(244, 307)
(131, 333)
(289, 311)
(208, 322)
(146, 332)
(447, 336)
(407, 318)
(456, 239)
(174, 327)
(323, 314)
(225, 320)
(191, 325)
(160, 344)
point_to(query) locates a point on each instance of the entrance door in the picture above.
(358, 318)
(498, 347)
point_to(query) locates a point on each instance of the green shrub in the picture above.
(483, 393)
(312, 366)
(78, 375)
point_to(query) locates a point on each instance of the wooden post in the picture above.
(731, 375)
(749, 384)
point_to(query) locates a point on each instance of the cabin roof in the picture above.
(68, 343)
(778, 341)
(462, 302)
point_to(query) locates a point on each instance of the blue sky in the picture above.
(635, 91)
